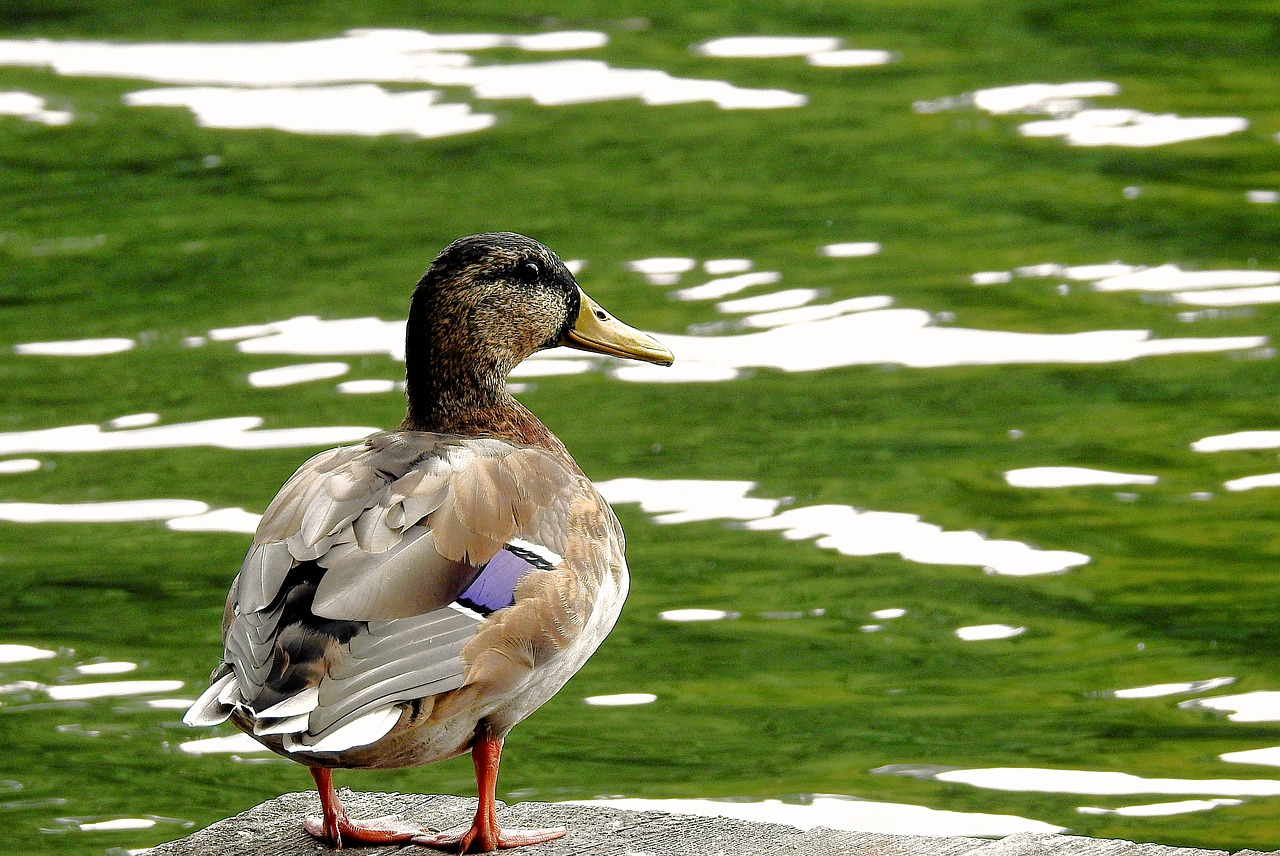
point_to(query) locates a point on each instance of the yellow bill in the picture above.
(597, 330)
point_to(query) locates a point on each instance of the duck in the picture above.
(414, 597)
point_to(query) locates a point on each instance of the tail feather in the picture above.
(284, 725)
(363, 731)
(299, 703)
(215, 704)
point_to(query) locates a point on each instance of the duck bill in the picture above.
(598, 331)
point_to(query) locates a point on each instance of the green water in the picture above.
(203, 228)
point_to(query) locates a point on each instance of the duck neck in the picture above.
(449, 394)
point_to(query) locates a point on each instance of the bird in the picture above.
(413, 597)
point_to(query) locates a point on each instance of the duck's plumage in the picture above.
(419, 594)
(415, 566)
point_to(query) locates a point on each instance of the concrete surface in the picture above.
(274, 828)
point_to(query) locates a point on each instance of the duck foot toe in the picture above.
(378, 830)
(483, 840)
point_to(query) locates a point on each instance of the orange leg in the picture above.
(336, 829)
(484, 834)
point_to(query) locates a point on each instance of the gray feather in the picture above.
(398, 660)
(368, 728)
(303, 702)
(409, 579)
(262, 574)
(209, 709)
(288, 725)
(372, 531)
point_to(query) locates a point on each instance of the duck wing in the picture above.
(377, 565)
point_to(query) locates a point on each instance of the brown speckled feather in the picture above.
(351, 584)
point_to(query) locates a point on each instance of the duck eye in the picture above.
(528, 272)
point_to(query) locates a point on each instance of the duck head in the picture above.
(487, 302)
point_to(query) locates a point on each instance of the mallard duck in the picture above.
(416, 596)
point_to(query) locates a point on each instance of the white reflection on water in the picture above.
(32, 108)
(301, 373)
(908, 337)
(112, 824)
(118, 823)
(170, 703)
(803, 314)
(1213, 288)
(370, 386)
(1269, 757)
(1158, 690)
(662, 270)
(236, 432)
(867, 533)
(24, 653)
(721, 615)
(851, 58)
(719, 267)
(312, 336)
(1094, 272)
(108, 689)
(836, 527)
(727, 285)
(20, 687)
(288, 85)
(1024, 98)
(1259, 706)
(1161, 809)
(76, 347)
(821, 51)
(689, 500)
(232, 744)
(356, 109)
(1132, 128)
(697, 615)
(1231, 297)
(842, 812)
(583, 81)
(842, 528)
(134, 420)
(850, 250)
(221, 520)
(855, 331)
(100, 512)
(1170, 277)
(1251, 482)
(405, 56)
(108, 668)
(1099, 783)
(985, 632)
(621, 699)
(1079, 124)
(766, 46)
(184, 515)
(1072, 477)
(788, 299)
(1237, 441)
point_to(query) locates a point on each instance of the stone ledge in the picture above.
(274, 828)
